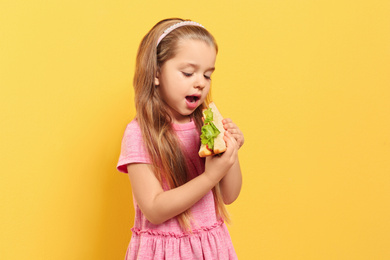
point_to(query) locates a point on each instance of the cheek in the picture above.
(207, 89)
(205, 92)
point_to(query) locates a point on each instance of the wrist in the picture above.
(212, 179)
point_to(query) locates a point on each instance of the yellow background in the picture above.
(307, 82)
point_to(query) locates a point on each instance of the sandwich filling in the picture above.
(209, 131)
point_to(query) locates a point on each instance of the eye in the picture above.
(187, 74)
(207, 77)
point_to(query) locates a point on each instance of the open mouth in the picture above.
(192, 99)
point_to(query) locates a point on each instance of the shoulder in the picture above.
(132, 132)
(133, 126)
(133, 148)
(132, 135)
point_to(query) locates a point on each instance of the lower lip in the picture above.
(193, 105)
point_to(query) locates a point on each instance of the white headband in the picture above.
(175, 26)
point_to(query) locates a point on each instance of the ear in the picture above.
(156, 79)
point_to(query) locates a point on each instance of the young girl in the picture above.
(178, 197)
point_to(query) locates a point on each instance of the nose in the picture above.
(201, 82)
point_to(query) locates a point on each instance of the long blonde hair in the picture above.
(168, 162)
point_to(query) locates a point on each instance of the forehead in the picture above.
(195, 51)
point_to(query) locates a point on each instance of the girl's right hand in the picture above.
(217, 166)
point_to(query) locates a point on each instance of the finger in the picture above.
(233, 145)
(237, 134)
(232, 130)
(230, 139)
(230, 126)
(227, 141)
(226, 121)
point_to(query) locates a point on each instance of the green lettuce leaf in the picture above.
(208, 116)
(209, 132)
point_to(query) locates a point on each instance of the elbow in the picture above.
(230, 196)
(229, 200)
(155, 220)
(150, 210)
(154, 216)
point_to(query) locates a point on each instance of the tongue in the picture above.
(191, 99)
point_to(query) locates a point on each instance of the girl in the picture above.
(178, 197)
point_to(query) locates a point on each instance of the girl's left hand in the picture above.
(234, 131)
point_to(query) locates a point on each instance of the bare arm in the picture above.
(158, 205)
(231, 183)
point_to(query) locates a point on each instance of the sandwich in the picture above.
(212, 132)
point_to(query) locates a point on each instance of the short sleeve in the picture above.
(133, 149)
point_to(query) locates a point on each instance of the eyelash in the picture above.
(190, 74)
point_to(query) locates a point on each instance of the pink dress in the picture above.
(209, 239)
